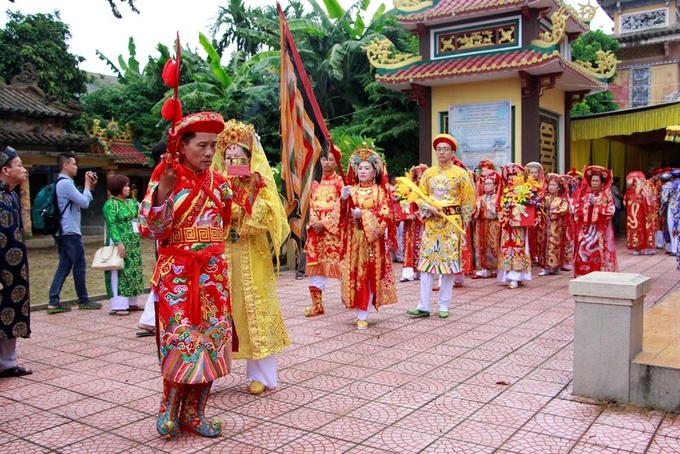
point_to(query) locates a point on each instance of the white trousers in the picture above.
(120, 303)
(8, 353)
(658, 239)
(149, 315)
(408, 273)
(318, 282)
(445, 291)
(262, 370)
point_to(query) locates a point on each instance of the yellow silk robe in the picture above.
(441, 244)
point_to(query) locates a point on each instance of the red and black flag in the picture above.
(304, 135)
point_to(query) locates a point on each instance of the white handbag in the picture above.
(106, 258)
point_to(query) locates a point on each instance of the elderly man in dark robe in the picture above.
(15, 310)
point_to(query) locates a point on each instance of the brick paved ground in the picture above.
(495, 377)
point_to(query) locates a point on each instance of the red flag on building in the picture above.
(304, 135)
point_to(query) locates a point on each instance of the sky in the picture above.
(93, 27)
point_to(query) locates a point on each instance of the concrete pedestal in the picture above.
(607, 332)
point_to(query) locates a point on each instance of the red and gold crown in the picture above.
(236, 133)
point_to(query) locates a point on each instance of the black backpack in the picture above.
(45, 210)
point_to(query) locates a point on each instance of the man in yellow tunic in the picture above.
(257, 216)
(323, 246)
(446, 209)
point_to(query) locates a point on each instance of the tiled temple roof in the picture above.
(529, 59)
(29, 100)
(448, 10)
(64, 141)
(126, 153)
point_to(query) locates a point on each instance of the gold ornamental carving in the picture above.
(409, 6)
(604, 67)
(585, 13)
(557, 34)
(382, 55)
(106, 135)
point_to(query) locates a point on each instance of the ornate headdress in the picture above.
(575, 173)
(370, 156)
(634, 178)
(603, 172)
(510, 170)
(563, 189)
(211, 122)
(415, 172)
(236, 133)
(486, 164)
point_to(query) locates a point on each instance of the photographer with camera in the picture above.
(69, 238)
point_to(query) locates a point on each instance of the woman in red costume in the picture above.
(487, 227)
(366, 218)
(639, 222)
(514, 261)
(555, 209)
(573, 186)
(595, 247)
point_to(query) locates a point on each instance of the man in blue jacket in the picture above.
(69, 238)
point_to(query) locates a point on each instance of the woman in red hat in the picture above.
(366, 220)
(514, 259)
(487, 227)
(554, 235)
(595, 247)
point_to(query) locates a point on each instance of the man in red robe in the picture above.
(187, 210)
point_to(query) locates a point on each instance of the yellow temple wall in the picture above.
(478, 92)
(664, 81)
(553, 101)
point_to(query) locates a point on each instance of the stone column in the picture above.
(607, 332)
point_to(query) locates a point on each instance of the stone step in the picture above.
(655, 371)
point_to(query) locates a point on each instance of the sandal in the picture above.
(135, 308)
(120, 313)
(145, 333)
(417, 313)
(16, 371)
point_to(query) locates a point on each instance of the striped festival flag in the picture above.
(304, 136)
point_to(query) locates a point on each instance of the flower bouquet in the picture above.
(520, 199)
(405, 200)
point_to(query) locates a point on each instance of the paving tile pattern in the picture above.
(495, 377)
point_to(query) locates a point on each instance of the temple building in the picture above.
(649, 35)
(35, 125)
(641, 135)
(497, 75)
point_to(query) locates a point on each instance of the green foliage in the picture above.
(584, 49)
(393, 121)
(593, 104)
(41, 41)
(129, 103)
